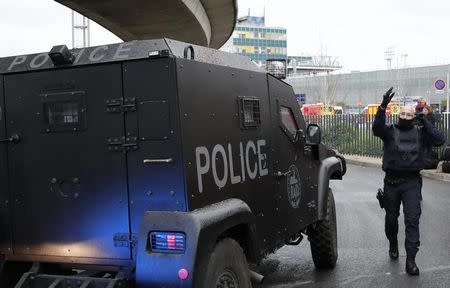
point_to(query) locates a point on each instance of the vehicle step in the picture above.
(33, 280)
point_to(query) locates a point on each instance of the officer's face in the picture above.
(407, 113)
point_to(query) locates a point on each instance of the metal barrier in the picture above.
(352, 134)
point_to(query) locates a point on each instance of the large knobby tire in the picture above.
(323, 238)
(446, 167)
(227, 267)
(446, 153)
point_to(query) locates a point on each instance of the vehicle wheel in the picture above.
(446, 153)
(323, 238)
(446, 167)
(227, 267)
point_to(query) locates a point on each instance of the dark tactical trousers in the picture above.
(408, 192)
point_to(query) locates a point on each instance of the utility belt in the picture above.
(394, 181)
(395, 178)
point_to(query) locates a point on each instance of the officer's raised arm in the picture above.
(433, 135)
(379, 124)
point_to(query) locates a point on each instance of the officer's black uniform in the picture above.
(403, 158)
(431, 158)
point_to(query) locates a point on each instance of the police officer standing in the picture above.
(403, 159)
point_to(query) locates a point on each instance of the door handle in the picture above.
(280, 174)
(15, 138)
(152, 161)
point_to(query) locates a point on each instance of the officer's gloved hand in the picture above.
(387, 97)
(421, 117)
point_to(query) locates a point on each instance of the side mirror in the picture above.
(313, 134)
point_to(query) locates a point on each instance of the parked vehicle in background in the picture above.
(321, 109)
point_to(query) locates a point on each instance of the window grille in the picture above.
(250, 113)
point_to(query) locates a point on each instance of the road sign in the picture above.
(301, 98)
(439, 84)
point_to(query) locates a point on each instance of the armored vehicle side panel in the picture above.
(297, 184)
(224, 159)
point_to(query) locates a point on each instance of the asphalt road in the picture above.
(363, 249)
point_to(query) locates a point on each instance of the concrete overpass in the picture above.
(202, 22)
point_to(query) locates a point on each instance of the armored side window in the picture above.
(250, 112)
(288, 120)
(64, 112)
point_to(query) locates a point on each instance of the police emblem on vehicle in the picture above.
(293, 186)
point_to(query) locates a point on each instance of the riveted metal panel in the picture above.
(155, 170)
(69, 190)
(295, 165)
(240, 159)
(5, 215)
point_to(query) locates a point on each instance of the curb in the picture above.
(436, 175)
(362, 162)
(376, 163)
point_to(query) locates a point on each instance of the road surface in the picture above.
(363, 249)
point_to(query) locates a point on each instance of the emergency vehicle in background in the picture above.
(394, 106)
(320, 109)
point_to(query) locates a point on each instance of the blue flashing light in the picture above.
(167, 242)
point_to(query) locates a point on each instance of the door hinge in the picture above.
(123, 143)
(121, 105)
(125, 240)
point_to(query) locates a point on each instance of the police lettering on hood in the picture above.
(252, 163)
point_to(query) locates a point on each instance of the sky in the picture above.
(358, 32)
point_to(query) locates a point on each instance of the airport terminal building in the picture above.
(356, 90)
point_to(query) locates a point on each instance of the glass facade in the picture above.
(252, 39)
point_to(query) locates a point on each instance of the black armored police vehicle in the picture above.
(154, 164)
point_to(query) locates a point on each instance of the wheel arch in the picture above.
(330, 168)
(231, 218)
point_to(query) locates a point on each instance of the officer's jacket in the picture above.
(404, 148)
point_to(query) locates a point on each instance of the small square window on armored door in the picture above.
(250, 112)
(154, 120)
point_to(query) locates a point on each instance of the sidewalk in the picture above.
(376, 162)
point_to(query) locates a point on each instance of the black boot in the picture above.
(411, 267)
(393, 249)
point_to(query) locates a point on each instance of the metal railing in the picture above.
(352, 134)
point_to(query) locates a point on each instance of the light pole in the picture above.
(84, 27)
(404, 59)
(447, 93)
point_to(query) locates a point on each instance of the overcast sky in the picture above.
(356, 31)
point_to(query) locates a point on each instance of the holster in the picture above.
(380, 197)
